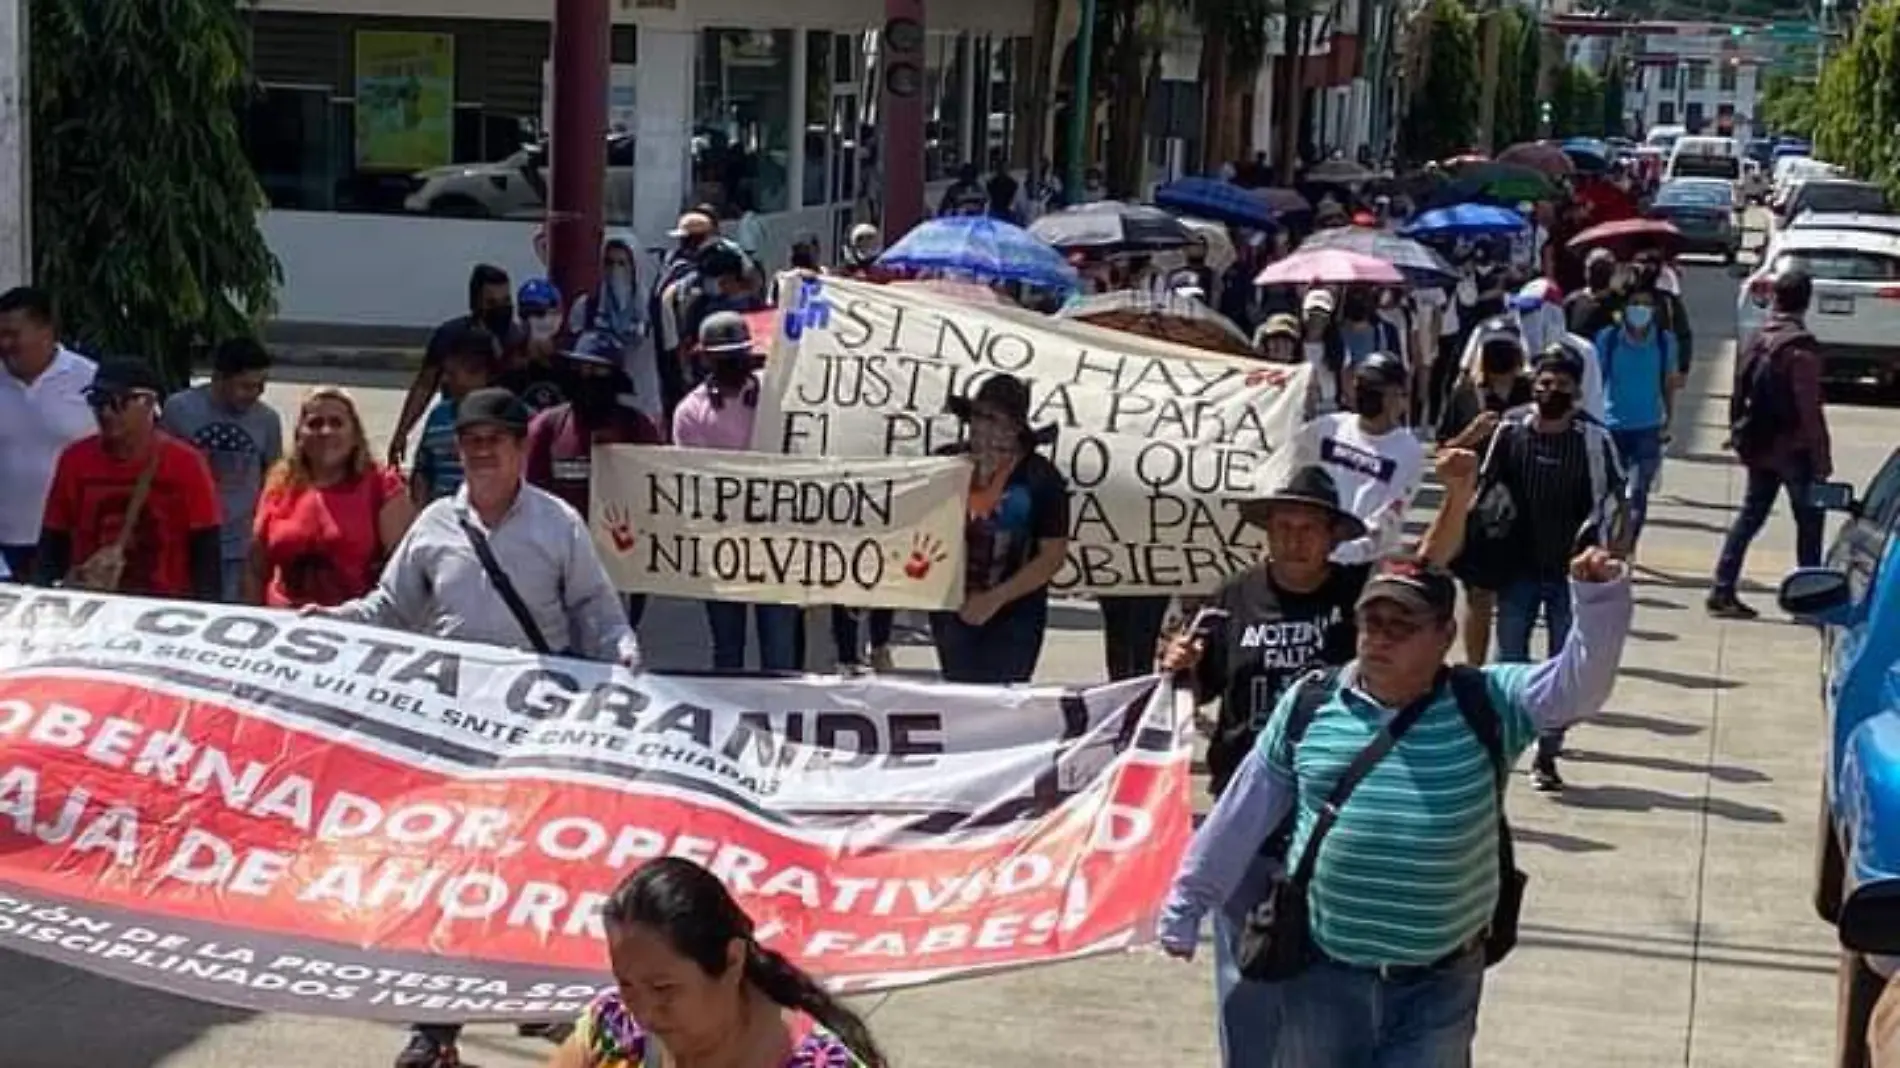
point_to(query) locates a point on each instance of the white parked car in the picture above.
(515, 187)
(1856, 311)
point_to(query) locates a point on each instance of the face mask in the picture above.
(543, 327)
(499, 319)
(1639, 316)
(1556, 404)
(1368, 400)
(620, 279)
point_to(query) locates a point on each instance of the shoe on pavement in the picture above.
(1544, 777)
(425, 1052)
(881, 662)
(1728, 606)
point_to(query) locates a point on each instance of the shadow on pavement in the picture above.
(1562, 843)
(1697, 525)
(1638, 799)
(1659, 604)
(1719, 459)
(1649, 576)
(1653, 635)
(1718, 772)
(57, 1016)
(1636, 721)
(1684, 502)
(1680, 679)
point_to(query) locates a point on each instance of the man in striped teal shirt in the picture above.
(1404, 886)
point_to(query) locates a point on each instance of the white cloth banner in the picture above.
(743, 526)
(1160, 443)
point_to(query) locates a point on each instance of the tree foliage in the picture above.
(1443, 115)
(1576, 103)
(1788, 106)
(145, 210)
(1857, 102)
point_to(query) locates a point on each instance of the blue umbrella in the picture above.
(979, 247)
(1210, 198)
(1465, 220)
(1588, 154)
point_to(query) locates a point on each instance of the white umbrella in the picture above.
(1213, 235)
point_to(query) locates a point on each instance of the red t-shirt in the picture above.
(91, 491)
(560, 452)
(322, 544)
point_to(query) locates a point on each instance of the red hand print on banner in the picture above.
(926, 552)
(619, 528)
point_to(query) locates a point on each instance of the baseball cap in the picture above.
(693, 224)
(1317, 300)
(537, 294)
(863, 234)
(596, 346)
(725, 332)
(120, 375)
(1382, 368)
(720, 260)
(1414, 584)
(1281, 325)
(492, 406)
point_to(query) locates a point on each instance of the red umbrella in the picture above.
(1628, 236)
(1330, 266)
(1539, 156)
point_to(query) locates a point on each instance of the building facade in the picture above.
(1703, 76)
(398, 141)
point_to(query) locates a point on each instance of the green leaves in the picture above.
(145, 210)
(1856, 105)
(1443, 116)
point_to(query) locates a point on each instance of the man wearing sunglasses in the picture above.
(1404, 899)
(131, 509)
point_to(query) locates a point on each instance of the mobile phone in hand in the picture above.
(1201, 627)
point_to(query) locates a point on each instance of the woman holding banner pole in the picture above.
(1016, 536)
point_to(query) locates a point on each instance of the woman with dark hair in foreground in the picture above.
(696, 989)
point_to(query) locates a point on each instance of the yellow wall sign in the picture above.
(405, 100)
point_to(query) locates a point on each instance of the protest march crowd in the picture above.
(573, 454)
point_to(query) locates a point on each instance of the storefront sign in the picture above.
(288, 814)
(737, 526)
(405, 100)
(1160, 443)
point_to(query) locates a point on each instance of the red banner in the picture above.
(425, 831)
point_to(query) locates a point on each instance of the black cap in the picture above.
(1311, 486)
(1380, 367)
(119, 375)
(725, 331)
(495, 406)
(1414, 583)
(1558, 359)
(1005, 394)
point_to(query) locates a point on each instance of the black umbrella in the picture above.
(1111, 226)
(1420, 265)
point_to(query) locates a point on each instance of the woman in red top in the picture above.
(329, 514)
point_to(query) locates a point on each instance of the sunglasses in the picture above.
(115, 400)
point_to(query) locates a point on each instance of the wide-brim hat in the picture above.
(1311, 487)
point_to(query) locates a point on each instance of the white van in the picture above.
(1665, 137)
(1705, 157)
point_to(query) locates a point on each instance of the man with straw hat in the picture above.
(1262, 631)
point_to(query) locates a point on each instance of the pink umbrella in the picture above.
(1332, 267)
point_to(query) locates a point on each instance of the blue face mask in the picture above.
(1639, 316)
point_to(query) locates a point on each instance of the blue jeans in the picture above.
(1642, 453)
(1519, 603)
(844, 631)
(1250, 1012)
(1757, 500)
(778, 626)
(1343, 1017)
(999, 652)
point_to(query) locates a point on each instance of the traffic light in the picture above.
(1736, 31)
(1543, 111)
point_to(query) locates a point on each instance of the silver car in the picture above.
(515, 187)
(1856, 311)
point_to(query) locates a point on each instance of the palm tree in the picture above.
(1233, 47)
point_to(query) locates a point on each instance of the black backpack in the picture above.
(1473, 696)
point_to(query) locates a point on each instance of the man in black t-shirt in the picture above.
(491, 306)
(1287, 616)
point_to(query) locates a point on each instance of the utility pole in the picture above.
(16, 170)
(583, 31)
(901, 116)
(1488, 77)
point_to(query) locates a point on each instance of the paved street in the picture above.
(1667, 923)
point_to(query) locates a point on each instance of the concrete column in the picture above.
(16, 170)
(583, 32)
(795, 160)
(663, 154)
(901, 138)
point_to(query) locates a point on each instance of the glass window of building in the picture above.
(435, 117)
(742, 115)
(1669, 77)
(817, 133)
(1698, 77)
(945, 124)
(1725, 78)
(1666, 113)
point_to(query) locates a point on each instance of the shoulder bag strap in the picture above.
(1473, 694)
(1350, 779)
(504, 588)
(140, 490)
